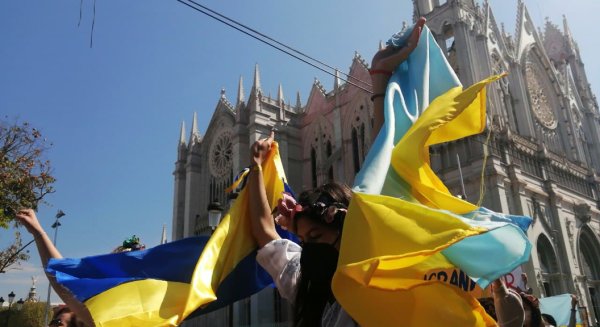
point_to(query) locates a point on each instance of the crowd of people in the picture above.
(303, 272)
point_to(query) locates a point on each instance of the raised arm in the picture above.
(572, 317)
(263, 226)
(509, 308)
(383, 64)
(48, 251)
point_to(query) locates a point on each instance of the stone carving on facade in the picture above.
(528, 27)
(221, 155)
(571, 233)
(539, 100)
(540, 213)
(576, 118)
(582, 212)
(540, 281)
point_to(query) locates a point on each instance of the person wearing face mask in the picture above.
(303, 274)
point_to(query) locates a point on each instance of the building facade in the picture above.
(540, 154)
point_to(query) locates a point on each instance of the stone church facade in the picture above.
(540, 154)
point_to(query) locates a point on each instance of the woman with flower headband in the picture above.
(303, 274)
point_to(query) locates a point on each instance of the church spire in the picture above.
(337, 82)
(163, 238)
(194, 134)
(182, 134)
(567, 32)
(256, 84)
(240, 95)
(298, 101)
(280, 93)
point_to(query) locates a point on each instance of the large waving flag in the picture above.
(412, 254)
(164, 285)
(559, 307)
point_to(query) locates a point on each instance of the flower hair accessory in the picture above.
(332, 211)
(133, 244)
(287, 207)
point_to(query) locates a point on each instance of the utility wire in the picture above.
(231, 23)
(266, 37)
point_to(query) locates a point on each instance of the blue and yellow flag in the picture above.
(164, 285)
(411, 253)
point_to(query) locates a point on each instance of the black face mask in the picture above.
(317, 266)
(318, 262)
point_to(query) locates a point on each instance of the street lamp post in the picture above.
(20, 304)
(56, 224)
(231, 197)
(215, 211)
(11, 298)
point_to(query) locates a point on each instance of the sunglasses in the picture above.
(55, 323)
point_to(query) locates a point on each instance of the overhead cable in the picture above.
(272, 43)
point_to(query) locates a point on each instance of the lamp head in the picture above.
(20, 304)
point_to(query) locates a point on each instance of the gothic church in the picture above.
(540, 154)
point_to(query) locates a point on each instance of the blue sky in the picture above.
(113, 111)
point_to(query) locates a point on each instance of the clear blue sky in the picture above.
(113, 111)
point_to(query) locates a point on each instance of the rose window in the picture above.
(221, 155)
(539, 101)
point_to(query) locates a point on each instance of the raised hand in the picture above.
(260, 149)
(28, 219)
(389, 58)
(382, 66)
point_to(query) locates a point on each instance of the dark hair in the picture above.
(549, 319)
(317, 200)
(490, 308)
(314, 286)
(318, 261)
(536, 314)
(73, 321)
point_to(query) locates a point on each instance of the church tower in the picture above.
(179, 192)
(455, 25)
(32, 296)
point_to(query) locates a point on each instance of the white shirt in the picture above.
(281, 259)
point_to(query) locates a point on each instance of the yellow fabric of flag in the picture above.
(389, 244)
(450, 116)
(232, 241)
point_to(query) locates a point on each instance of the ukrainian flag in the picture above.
(164, 285)
(411, 253)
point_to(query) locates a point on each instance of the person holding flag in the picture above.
(303, 274)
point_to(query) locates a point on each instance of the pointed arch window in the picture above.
(355, 150)
(449, 44)
(313, 166)
(329, 151)
(548, 266)
(363, 146)
(589, 250)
